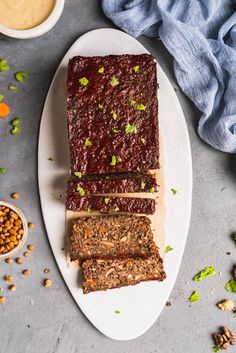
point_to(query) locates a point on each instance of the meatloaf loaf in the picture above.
(111, 236)
(103, 274)
(110, 203)
(112, 113)
(116, 184)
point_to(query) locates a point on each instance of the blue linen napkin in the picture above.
(201, 36)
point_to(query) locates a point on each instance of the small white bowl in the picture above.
(37, 31)
(25, 229)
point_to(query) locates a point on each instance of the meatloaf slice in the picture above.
(103, 274)
(112, 113)
(110, 203)
(111, 236)
(116, 184)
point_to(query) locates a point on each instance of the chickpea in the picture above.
(15, 196)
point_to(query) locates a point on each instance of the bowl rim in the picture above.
(37, 31)
(25, 228)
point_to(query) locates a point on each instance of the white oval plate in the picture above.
(140, 305)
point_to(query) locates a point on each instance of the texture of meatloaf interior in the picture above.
(112, 114)
(119, 184)
(111, 236)
(111, 203)
(103, 274)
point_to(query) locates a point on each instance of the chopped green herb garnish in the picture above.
(83, 81)
(152, 190)
(114, 81)
(50, 159)
(16, 130)
(101, 70)
(143, 185)
(216, 349)
(3, 66)
(88, 210)
(207, 272)
(78, 174)
(168, 249)
(3, 171)
(80, 190)
(100, 106)
(117, 311)
(136, 68)
(233, 236)
(141, 107)
(16, 121)
(114, 115)
(87, 142)
(195, 296)
(231, 286)
(117, 209)
(106, 200)
(20, 76)
(132, 102)
(115, 130)
(131, 129)
(143, 140)
(113, 160)
(174, 192)
(138, 169)
(13, 88)
(1, 97)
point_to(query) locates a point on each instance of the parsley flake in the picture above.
(195, 296)
(136, 68)
(113, 160)
(117, 311)
(216, 349)
(107, 200)
(143, 185)
(131, 129)
(87, 142)
(80, 190)
(20, 76)
(3, 66)
(143, 140)
(1, 97)
(101, 70)
(152, 190)
(138, 169)
(233, 236)
(231, 286)
(100, 106)
(132, 102)
(3, 171)
(168, 249)
(115, 130)
(88, 210)
(83, 81)
(141, 107)
(174, 192)
(206, 272)
(13, 88)
(114, 81)
(78, 174)
(114, 115)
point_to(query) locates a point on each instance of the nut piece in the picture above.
(30, 225)
(30, 247)
(2, 300)
(47, 283)
(8, 279)
(26, 254)
(9, 261)
(223, 340)
(19, 260)
(226, 304)
(15, 196)
(26, 272)
(12, 287)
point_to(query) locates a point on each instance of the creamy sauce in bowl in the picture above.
(24, 14)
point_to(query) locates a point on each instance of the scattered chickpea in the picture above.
(2, 300)
(12, 287)
(9, 261)
(30, 247)
(19, 260)
(26, 272)
(15, 196)
(26, 254)
(8, 279)
(31, 225)
(47, 283)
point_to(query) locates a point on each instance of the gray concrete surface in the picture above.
(37, 320)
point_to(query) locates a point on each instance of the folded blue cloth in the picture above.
(201, 36)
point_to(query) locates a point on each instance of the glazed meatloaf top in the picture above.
(111, 236)
(103, 274)
(112, 114)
